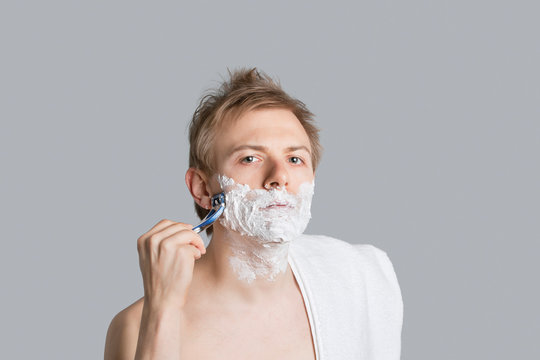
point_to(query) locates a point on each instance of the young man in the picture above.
(261, 289)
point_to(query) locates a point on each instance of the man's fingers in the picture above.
(173, 228)
(196, 252)
(172, 250)
(184, 237)
(199, 244)
(165, 223)
(160, 226)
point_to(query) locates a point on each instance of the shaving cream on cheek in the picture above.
(266, 220)
(267, 215)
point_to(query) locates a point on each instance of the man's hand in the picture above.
(167, 255)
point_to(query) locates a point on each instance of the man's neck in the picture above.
(243, 267)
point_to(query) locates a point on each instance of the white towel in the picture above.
(352, 297)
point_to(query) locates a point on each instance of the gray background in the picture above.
(430, 120)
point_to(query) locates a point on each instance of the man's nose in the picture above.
(278, 177)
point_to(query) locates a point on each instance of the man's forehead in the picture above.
(271, 130)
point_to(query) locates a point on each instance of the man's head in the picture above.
(251, 111)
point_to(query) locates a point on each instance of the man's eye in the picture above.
(295, 160)
(248, 159)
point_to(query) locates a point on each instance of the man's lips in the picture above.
(280, 205)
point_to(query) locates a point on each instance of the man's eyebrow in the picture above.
(250, 147)
(300, 147)
(264, 148)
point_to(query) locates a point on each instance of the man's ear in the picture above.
(197, 183)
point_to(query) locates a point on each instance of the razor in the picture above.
(218, 205)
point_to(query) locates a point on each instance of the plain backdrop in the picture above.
(430, 120)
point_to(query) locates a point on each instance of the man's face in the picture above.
(264, 148)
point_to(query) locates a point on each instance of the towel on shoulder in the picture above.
(354, 298)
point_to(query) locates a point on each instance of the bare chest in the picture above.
(279, 332)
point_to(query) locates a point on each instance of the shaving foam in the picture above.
(262, 223)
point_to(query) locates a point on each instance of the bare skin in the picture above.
(194, 305)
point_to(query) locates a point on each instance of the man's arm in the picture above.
(150, 328)
(140, 333)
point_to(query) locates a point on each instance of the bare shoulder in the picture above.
(123, 333)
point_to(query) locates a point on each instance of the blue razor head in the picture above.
(218, 205)
(218, 199)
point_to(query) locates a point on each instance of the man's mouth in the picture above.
(278, 205)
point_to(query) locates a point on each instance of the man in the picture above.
(261, 289)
